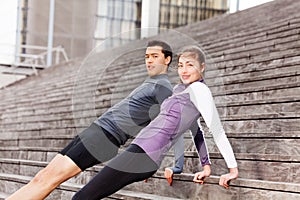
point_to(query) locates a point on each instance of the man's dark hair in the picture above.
(166, 49)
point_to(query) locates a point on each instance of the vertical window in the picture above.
(115, 20)
(175, 13)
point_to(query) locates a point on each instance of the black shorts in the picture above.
(93, 146)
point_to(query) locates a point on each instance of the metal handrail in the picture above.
(38, 60)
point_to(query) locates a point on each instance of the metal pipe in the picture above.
(18, 34)
(237, 5)
(50, 32)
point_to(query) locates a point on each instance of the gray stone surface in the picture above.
(254, 77)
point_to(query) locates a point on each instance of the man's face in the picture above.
(156, 63)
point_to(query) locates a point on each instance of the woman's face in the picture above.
(188, 69)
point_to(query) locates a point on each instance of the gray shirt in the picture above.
(133, 113)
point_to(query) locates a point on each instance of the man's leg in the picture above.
(179, 155)
(77, 156)
(60, 169)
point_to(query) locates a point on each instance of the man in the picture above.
(179, 161)
(100, 142)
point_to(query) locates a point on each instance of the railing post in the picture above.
(18, 34)
(57, 51)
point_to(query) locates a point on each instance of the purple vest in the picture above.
(177, 115)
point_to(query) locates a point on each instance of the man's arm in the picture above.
(162, 91)
(200, 144)
(179, 155)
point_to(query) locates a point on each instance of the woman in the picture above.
(142, 158)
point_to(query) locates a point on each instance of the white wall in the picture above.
(244, 4)
(8, 28)
(150, 18)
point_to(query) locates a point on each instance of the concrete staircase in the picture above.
(254, 76)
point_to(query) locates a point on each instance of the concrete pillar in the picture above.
(150, 18)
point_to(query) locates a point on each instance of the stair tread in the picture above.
(186, 177)
(75, 187)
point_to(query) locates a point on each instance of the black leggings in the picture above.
(130, 166)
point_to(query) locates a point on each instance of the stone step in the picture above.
(258, 18)
(246, 61)
(253, 51)
(252, 73)
(229, 122)
(284, 144)
(53, 91)
(267, 158)
(62, 109)
(262, 127)
(254, 76)
(29, 153)
(7, 69)
(32, 167)
(24, 145)
(56, 85)
(67, 190)
(248, 30)
(242, 112)
(14, 134)
(182, 188)
(271, 167)
(255, 38)
(3, 195)
(61, 100)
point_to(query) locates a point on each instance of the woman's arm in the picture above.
(200, 144)
(202, 98)
(200, 176)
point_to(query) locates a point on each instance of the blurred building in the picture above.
(81, 25)
(74, 24)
